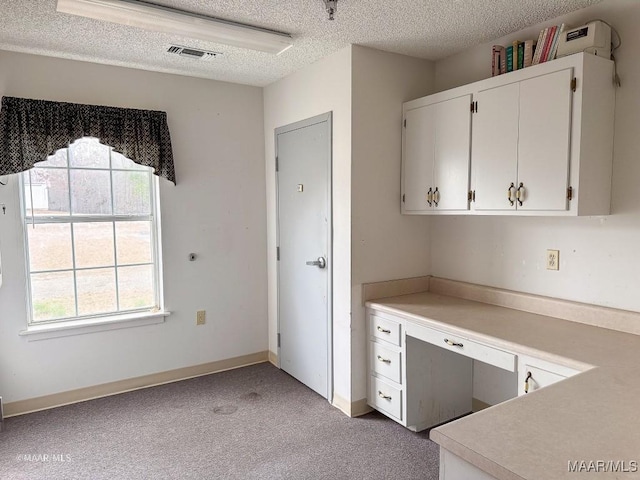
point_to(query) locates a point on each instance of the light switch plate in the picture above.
(553, 259)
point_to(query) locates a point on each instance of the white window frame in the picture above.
(107, 320)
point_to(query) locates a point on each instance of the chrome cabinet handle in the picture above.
(452, 343)
(520, 193)
(382, 395)
(384, 360)
(429, 196)
(383, 330)
(321, 262)
(436, 197)
(511, 194)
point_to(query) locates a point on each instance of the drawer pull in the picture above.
(384, 360)
(382, 395)
(383, 330)
(526, 382)
(452, 343)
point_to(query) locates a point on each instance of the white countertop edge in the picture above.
(471, 456)
(100, 324)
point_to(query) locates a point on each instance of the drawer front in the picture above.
(385, 362)
(540, 378)
(385, 329)
(464, 346)
(385, 397)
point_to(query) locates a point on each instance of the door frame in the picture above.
(328, 118)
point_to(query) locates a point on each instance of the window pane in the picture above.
(49, 246)
(133, 240)
(119, 161)
(131, 193)
(58, 159)
(49, 190)
(96, 291)
(90, 192)
(135, 285)
(88, 153)
(52, 295)
(93, 244)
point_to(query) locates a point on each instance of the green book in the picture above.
(510, 58)
(520, 55)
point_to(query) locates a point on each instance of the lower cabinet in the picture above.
(420, 376)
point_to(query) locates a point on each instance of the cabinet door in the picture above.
(417, 160)
(452, 152)
(543, 145)
(495, 146)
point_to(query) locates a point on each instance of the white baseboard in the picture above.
(273, 359)
(45, 402)
(351, 409)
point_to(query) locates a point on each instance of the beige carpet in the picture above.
(251, 423)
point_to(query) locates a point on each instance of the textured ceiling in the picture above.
(430, 29)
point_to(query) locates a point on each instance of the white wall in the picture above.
(599, 261)
(216, 210)
(385, 245)
(319, 88)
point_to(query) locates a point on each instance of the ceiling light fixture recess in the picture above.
(177, 22)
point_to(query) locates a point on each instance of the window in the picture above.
(91, 235)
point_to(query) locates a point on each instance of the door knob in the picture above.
(321, 262)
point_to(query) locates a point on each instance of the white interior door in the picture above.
(303, 153)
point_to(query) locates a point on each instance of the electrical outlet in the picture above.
(553, 259)
(200, 317)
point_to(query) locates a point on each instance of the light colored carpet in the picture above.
(251, 423)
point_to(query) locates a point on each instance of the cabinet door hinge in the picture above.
(570, 193)
(403, 198)
(277, 253)
(277, 169)
(574, 84)
(278, 340)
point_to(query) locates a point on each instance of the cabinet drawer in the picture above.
(385, 397)
(464, 346)
(384, 361)
(540, 378)
(385, 329)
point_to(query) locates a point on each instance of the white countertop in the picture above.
(592, 416)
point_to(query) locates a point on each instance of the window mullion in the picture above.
(73, 241)
(113, 224)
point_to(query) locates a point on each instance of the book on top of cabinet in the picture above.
(523, 54)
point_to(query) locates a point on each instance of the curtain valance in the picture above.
(31, 130)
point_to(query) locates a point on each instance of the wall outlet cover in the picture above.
(553, 259)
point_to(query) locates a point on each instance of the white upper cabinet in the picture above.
(436, 148)
(521, 142)
(541, 142)
(495, 147)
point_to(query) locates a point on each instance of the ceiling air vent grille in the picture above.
(192, 53)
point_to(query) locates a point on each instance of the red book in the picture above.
(547, 44)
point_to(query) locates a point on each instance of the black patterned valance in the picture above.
(31, 130)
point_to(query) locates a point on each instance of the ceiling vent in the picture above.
(193, 53)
